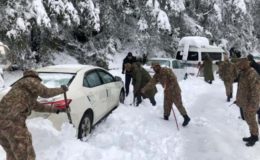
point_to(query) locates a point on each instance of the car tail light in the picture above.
(60, 104)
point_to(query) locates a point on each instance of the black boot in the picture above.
(138, 102)
(186, 120)
(252, 141)
(247, 139)
(231, 95)
(152, 100)
(228, 98)
(166, 117)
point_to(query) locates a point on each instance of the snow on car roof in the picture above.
(194, 41)
(66, 68)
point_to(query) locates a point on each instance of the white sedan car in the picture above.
(93, 93)
(176, 66)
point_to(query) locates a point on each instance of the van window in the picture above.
(179, 55)
(213, 55)
(193, 56)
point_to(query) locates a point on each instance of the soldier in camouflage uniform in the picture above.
(15, 107)
(208, 69)
(228, 73)
(172, 91)
(140, 78)
(248, 98)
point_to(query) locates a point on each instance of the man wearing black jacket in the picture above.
(256, 66)
(128, 59)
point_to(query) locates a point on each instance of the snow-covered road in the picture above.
(139, 133)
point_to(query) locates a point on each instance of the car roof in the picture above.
(156, 58)
(66, 68)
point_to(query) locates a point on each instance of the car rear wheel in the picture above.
(122, 97)
(85, 127)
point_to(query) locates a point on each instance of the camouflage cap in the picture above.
(31, 73)
(243, 62)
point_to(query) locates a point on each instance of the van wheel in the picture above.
(85, 127)
(122, 97)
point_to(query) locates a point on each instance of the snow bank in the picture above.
(162, 18)
(241, 5)
(163, 21)
(62, 58)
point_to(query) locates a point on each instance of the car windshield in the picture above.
(53, 80)
(257, 58)
(163, 63)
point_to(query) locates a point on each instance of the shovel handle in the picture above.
(67, 108)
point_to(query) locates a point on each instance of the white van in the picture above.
(193, 50)
(176, 66)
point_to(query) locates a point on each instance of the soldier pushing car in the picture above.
(140, 78)
(15, 107)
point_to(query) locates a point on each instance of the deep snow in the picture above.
(139, 133)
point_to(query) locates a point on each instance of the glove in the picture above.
(58, 110)
(123, 72)
(64, 87)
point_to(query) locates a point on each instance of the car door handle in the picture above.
(91, 99)
(107, 92)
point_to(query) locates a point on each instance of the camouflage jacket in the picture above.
(140, 78)
(167, 79)
(227, 71)
(248, 89)
(18, 103)
(208, 70)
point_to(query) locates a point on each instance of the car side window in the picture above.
(175, 64)
(106, 77)
(91, 80)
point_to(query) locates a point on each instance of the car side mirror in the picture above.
(118, 78)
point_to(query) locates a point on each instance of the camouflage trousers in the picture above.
(17, 142)
(176, 99)
(250, 117)
(228, 87)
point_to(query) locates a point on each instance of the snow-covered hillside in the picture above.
(140, 133)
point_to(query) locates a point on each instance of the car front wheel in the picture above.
(122, 97)
(85, 127)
